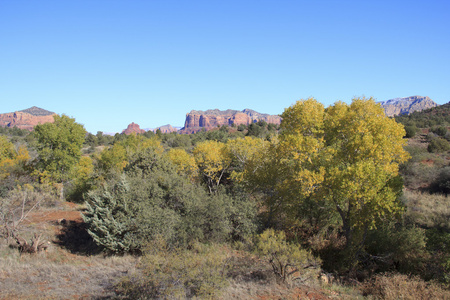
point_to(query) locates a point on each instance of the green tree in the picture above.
(59, 147)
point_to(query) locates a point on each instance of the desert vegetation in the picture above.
(336, 202)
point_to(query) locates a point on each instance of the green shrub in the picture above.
(397, 246)
(410, 130)
(151, 199)
(439, 130)
(438, 145)
(442, 182)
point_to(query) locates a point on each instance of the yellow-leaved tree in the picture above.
(347, 158)
(12, 160)
(212, 161)
(184, 162)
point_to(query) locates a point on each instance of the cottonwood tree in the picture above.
(59, 148)
(212, 161)
(340, 161)
(347, 155)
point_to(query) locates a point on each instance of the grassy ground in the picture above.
(73, 268)
(67, 270)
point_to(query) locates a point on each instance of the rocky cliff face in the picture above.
(27, 118)
(402, 106)
(165, 129)
(199, 120)
(133, 128)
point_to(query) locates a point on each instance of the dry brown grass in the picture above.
(430, 210)
(57, 274)
(399, 286)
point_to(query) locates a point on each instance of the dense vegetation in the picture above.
(337, 190)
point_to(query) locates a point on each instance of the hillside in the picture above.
(439, 115)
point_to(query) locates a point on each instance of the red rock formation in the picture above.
(133, 128)
(200, 120)
(26, 119)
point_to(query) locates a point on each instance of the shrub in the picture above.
(440, 130)
(288, 261)
(397, 246)
(151, 199)
(410, 130)
(442, 182)
(178, 273)
(438, 145)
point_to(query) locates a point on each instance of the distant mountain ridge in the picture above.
(407, 105)
(198, 120)
(27, 118)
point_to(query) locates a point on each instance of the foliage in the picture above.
(59, 147)
(288, 261)
(349, 156)
(185, 163)
(241, 151)
(12, 162)
(110, 218)
(436, 116)
(212, 162)
(114, 159)
(151, 199)
(439, 130)
(438, 145)
(178, 273)
(398, 246)
(411, 131)
(442, 183)
(82, 179)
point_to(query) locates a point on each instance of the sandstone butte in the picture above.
(210, 119)
(133, 128)
(407, 105)
(27, 118)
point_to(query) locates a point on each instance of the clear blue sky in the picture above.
(109, 63)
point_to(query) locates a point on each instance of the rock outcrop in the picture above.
(405, 106)
(27, 118)
(165, 129)
(133, 128)
(206, 120)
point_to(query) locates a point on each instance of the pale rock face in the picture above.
(26, 119)
(166, 129)
(207, 120)
(402, 106)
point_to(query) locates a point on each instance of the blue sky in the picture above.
(110, 63)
